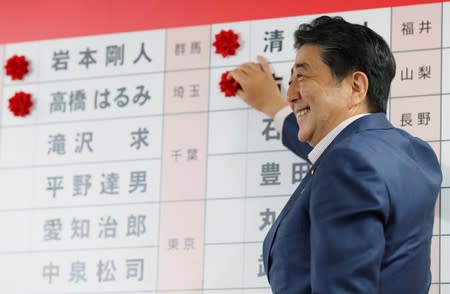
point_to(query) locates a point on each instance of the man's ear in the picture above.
(360, 85)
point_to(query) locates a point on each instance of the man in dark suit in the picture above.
(361, 221)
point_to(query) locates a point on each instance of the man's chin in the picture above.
(302, 139)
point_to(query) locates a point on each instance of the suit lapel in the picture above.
(267, 245)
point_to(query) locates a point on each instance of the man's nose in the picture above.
(292, 93)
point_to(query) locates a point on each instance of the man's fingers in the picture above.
(238, 75)
(263, 62)
(249, 68)
(247, 71)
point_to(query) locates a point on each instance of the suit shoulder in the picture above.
(390, 150)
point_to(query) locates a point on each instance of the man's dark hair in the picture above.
(346, 48)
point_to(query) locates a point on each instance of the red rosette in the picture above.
(226, 43)
(17, 67)
(228, 86)
(20, 104)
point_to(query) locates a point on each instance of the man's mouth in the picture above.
(301, 113)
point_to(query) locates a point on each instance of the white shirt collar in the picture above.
(326, 141)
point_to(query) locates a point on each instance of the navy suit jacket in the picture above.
(361, 221)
